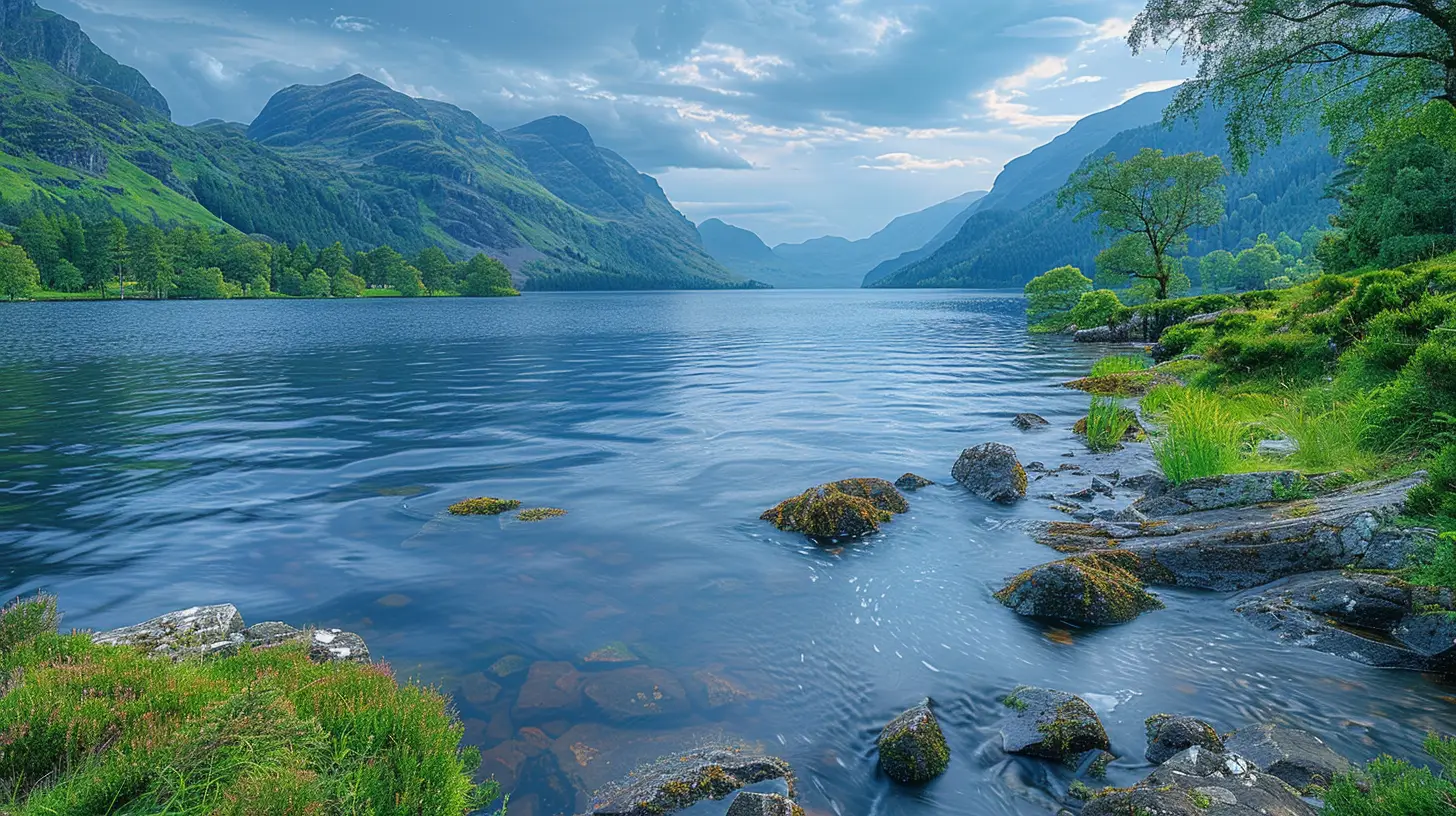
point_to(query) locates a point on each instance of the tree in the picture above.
(1310, 241)
(1095, 308)
(382, 265)
(334, 260)
(1258, 266)
(485, 276)
(67, 277)
(1151, 200)
(246, 261)
(202, 283)
(347, 284)
(406, 279)
(111, 255)
(1359, 64)
(41, 238)
(1218, 270)
(1289, 248)
(436, 270)
(289, 281)
(151, 263)
(316, 285)
(1055, 293)
(258, 286)
(19, 277)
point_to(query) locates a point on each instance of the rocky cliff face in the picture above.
(30, 32)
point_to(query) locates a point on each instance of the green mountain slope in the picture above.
(353, 162)
(1005, 246)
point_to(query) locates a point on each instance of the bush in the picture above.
(1392, 337)
(486, 277)
(1107, 424)
(1199, 438)
(94, 730)
(1418, 408)
(1056, 292)
(1119, 364)
(1233, 322)
(203, 284)
(1259, 300)
(1293, 354)
(1177, 341)
(1437, 497)
(1095, 308)
(1328, 291)
(1391, 786)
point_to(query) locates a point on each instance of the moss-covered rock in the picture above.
(484, 506)
(748, 803)
(992, 472)
(535, 514)
(1051, 725)
(912, 482)
(912, 748)
(1097, 589)
(680, 781)
(1127, 384)
(1170, 735)
(845, 509)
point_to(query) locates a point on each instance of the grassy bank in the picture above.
(88, 730)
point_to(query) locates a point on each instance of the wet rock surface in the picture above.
(846, 509)
(1097, 589)
(635, 694)
(681, 781)
(1051, 725)
(763, 804)
(912, 482)
(1296, 756)
(992, 472)
(1170, 735)
(1029, 422)
(1218, 492)
(912, 748)
(1197, 782)
(550, 688)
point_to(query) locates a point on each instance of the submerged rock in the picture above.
(748, 803)
(680, 781)
(638, 693)
(550, 688)
(846, 509)
(1296, 756)
(1098, 589)
(912, 482)
(1170, 735)
(1051, 725)
(992, 472)
(912, 748)
(1029, 422)
(1202, 783)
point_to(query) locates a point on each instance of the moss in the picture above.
(1200, 800)
(615, 652)
(1112, 592)
(484, 506)
(1013, 702)
(509, 665)
(844, 509)
(539, 514)
(1128, 384)
(913, 749)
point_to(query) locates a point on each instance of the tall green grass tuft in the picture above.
(1332, 439)
(1392, 786)
(1440, 569)
(1119, 364)
(1107, 424)
(1200, 437)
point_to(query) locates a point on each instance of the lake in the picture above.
(295, 458)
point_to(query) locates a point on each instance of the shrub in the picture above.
(1391, 786)
(1297, 354)
(1418, 408)
(1107, 424)
(1199, 438)
(1392, 337)
(1056, 292)
(1328, 291)
(1095, 308)
(1119, 364)
(1259, 300)
(24, 620)
(1233, 322)
(1440, 569)
(1178, 340)
(1437, 497)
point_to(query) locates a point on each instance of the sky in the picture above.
(793, 118)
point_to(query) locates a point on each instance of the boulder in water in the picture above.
(992, 472)
(912, 748)
(845, 509)
(912, 482)
(1170, 735)
(1197, 782)
(1097, 589)
(1051, 725)
(682, 780)
(636, 694)
(1296, 756)
(748, 803)
(1029, 422)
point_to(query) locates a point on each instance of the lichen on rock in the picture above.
(850, 508)
(484, 506)
(1051, 725)
(992, 472)
(680, 781)
(912, 748)
(1097, 589)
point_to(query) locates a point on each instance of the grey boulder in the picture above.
(992, 472)
(749, 803)
(1170, 735)
(1051, 725)
(1203, 783)
(199, 630)
(681, 781)
(1296, 756)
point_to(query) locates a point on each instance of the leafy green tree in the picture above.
(1150, 201)
(19, 277)
(384, 264)
(246, 261)
(1095, 308)
(258, 286)
(73, 241)
(1257, 266)
(1288, 248)
(334, 260)
(1218, 271)
(303, 259)
(67, 277)
(436, 270)
(151, 262)
(289, 281)
(41, 238)
(316, 285)
(1402, 207)
(1310, 241)
(406, 279)
(110, 257)
(1359, 65)
(1055, 293)
(192, 247)
(485, 276)
(202, 283)
(348, 285)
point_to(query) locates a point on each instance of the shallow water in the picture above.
(295, 458)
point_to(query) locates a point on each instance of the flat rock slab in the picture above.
(1243, 547)
(1218, 492)
(199, 630)
(679, 782)
(1203, 783)
(1296, 756)
(638, 693)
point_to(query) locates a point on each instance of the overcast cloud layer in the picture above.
(794, 118)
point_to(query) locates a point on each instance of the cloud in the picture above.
(1051, 27)
(211, 68)
(352, 24)
(909, 162)
(1150, 87)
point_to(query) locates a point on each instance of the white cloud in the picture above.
(909, 162)
(356, 25)
(212, 68)
(1052, 27)
(1150, 87)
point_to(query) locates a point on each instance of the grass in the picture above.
(1120, 364)
(1440, 569)
(1330, 439)
(1398, 787)
(89, 730)
(1107, 424)
(1200, 437)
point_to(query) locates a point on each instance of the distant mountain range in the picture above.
(830, 262)
(353, 161)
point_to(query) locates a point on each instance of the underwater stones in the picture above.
(637, 693)
(1170, 735)
(912, 482)
(682, 780)
(850, 508)
(484, 506)
(1029, 422)
(992, 472)
(337, 646)
(1197, 782)
(479, 690)
(199, 630)
(1051, 725)
(509, 665)
(749, 803)
(550, 688)
(535, 514)
(614, 652)
(1097, 589)
(912, 748)
(1218, 492)
(715, 689)
(1296, 756)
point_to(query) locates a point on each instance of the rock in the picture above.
(680, 781)
(763, 804)
(912, 482)
(1148, 484)
(1378, 620)
(271, 633)
(716, 689)
(337, 646)
(846, 509)
(1120, 333)
(1083, 495)
(1170, 735)
(992, 472)
(615, 652)
(199, 630)
(479, 690)
(1029, 422)
(509, 665)
(1130, 515)
(1281, 448)
(1102, 486)
(638, 693)
(1218, 492)
(550, 688)
(1051, 725)
(1298, 757)
(912, 748)
(1097, 589)
(1202, 783)
(484, 506)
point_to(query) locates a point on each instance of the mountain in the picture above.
(353, 161)
(1018, 231)
(830, 262)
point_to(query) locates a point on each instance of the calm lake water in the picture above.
(296, 458)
